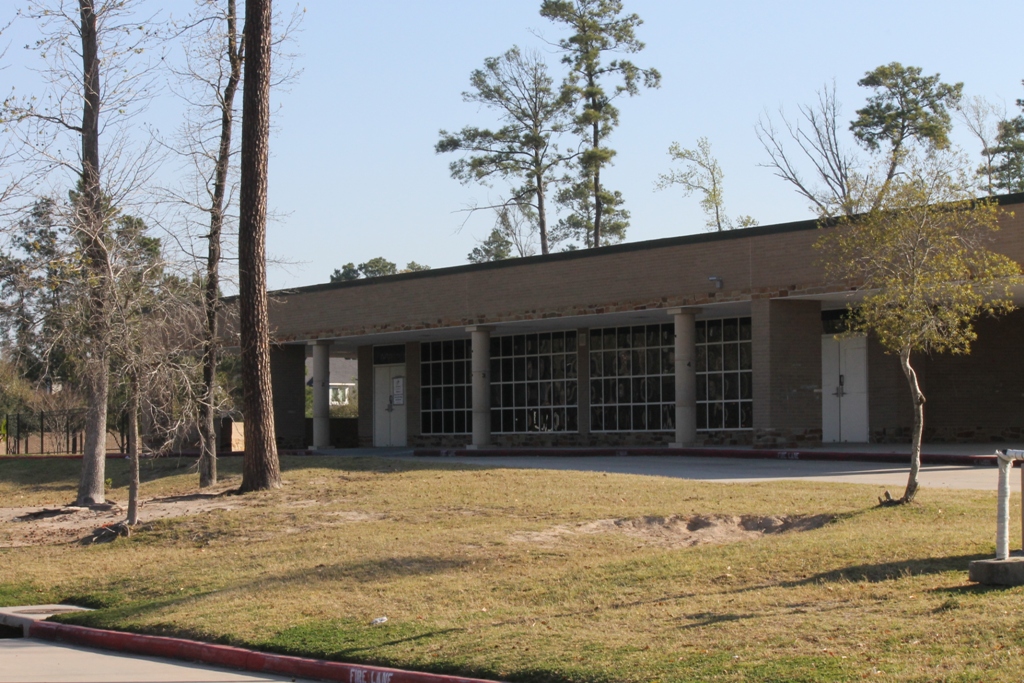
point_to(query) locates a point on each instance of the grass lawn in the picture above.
(509, 574)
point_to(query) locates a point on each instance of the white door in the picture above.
(389, 401)
(844, 389)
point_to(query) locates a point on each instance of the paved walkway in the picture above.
(749, 470)
(26, 660)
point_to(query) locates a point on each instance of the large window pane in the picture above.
(724, 375)
(532, 382)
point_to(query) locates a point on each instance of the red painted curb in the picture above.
(739, 453)
(232, 657)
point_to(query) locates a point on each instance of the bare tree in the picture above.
(156, 324)
(260, 469)
(982, 120)
(834, 185)
(209, 81)
(97, 79)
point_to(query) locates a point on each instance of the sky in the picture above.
(354, 175)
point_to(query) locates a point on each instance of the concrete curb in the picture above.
(740, 453)
(232, 657)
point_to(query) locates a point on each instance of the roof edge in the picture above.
(659, 243)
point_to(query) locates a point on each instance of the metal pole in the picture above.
(42, 432)
(1003, 508)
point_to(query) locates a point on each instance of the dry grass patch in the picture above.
(534, 575)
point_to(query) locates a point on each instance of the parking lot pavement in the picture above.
(26, 660)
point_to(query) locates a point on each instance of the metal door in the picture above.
(389, 405)
(844, 385)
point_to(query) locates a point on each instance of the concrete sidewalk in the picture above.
(26, 660)
(892, 475)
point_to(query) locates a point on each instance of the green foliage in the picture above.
(703, 174)
(375, 267)
(497, 247)
(413, 267)
(1008, 154)
(349, 271)
(524, 150)
(350, 409)
(923, 262)
(906, 106)
(598, 27)
(577, 228)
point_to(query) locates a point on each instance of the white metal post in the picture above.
(1006, 459)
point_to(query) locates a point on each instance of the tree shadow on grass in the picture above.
(363, 572)
(877, 573)
(380, 465)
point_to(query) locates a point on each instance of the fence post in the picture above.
(42, 432)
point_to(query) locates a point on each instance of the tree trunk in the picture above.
(260, 467)
(208, 434)
(915, 444)
(91, 227)
(598, 205)
(133, 452)
(542, 219)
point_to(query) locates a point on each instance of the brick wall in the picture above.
(787, 371)
(287, 374)
(763, 262)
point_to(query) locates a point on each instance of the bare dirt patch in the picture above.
(29, 526)
(677, 531)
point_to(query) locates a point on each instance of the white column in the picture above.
(686, 376)
(322, 394)
(480, 336)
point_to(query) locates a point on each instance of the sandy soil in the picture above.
(681, 532)
(28, 526)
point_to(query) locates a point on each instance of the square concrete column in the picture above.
(686, 375)
(480, 366)
(322, 394)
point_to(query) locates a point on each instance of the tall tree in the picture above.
(524, 150)
(1008, 156)
(1005, 157)
(260, 467)
(702, 173)
(599, 28)
(922, 261)
(577, 226)
(907, 110)
(98, 80)
(906, 107)
(982, 119)
(214, 55)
